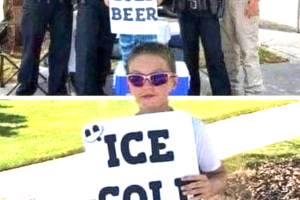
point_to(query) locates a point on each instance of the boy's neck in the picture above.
(166, 109)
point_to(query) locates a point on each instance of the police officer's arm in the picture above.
(252, 9)
(205, 185)
(158, 2)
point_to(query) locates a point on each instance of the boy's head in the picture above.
(151, 76)
(153, 48)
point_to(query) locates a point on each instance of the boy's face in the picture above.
(151, 98)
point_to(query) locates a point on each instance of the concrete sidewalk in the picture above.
(65, 178)
(255, 130)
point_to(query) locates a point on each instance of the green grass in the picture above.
(266, 56)
(33, 131)
(285, 149)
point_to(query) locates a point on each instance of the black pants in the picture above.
(94, 43)
(38, 16)
(207, 27)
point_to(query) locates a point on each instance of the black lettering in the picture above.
(114, 191)
(141, 157)
(156, 146)
(127, 14)
(110, 141)
(178, 184)
(116, 14)
(135, 189)
(140, 14)
(151, 14)
(155, 186)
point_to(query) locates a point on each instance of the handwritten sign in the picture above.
(140, 157)
(133, 16)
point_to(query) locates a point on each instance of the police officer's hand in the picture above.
(252, 9)
(199, 187)
(106, 2)
(159, 2)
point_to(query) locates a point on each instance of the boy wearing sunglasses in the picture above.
(151, 77)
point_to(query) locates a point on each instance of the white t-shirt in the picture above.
(207, 157)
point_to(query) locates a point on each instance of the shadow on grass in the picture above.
(10, 123)
(4, 106)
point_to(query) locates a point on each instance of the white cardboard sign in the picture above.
(140, 157)
(133, 16)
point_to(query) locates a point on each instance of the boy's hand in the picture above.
(106, 2)
(252, 9)
(199, 188)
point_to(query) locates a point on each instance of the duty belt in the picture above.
(48, 1)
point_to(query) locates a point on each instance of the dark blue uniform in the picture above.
(94, 43)
(195, 23)
(38, 16)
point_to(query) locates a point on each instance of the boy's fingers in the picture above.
(194, 178)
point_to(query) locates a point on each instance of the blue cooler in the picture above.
(120, 82)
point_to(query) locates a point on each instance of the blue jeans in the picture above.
(38, 16)
(128, 42)
(206, 26)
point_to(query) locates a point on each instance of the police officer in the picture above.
(200, 18)
(38, 16)
(94, 43)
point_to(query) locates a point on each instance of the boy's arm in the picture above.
(218, 180)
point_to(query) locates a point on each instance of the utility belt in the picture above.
(48, 1)
(60, 1)
(215, 7)
(84, 1)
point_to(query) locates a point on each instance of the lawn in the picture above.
(279, 150)
(33, 131)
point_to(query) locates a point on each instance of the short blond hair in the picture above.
(153, 48)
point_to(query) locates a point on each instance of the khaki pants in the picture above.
(240, 46)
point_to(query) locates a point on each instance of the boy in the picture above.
(151, 77)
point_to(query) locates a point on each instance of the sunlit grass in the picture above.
(274, 151)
